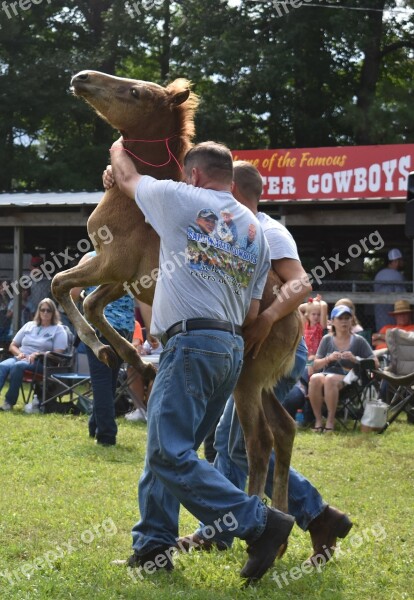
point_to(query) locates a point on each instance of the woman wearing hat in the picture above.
(402, 316)
(335, 357)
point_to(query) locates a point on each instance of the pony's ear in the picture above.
(180, 97)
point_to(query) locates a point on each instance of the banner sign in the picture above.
(344, 172)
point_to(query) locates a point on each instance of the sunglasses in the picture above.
(45, 310)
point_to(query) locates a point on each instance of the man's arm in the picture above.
(294, 290)
(123, 170)
(252, 312)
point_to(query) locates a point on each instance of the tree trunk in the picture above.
(369, 77)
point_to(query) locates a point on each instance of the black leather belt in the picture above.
(194, 324)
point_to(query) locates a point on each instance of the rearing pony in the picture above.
(157, 126)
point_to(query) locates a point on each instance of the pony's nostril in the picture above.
(82, 76)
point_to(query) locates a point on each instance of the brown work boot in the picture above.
(324, 530)
(264, 550)
(195, 541)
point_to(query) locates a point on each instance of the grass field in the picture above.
(67, 507)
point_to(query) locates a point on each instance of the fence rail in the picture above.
(361, 292)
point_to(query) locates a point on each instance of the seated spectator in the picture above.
(402, 316)
(356, 325)
(314, 313)
(297, 399)
(336, 355)
(36, 337)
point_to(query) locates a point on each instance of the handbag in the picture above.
(375, 416)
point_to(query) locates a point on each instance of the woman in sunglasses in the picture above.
(36, 337)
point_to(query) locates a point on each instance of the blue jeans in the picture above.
(197, 373)
(305, 502)
(15, 368)
(102, 424)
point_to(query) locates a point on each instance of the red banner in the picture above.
(349, 172)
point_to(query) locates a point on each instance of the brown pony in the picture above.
(157, 126)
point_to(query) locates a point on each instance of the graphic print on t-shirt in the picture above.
(216, 251)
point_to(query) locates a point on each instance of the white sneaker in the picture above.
(136, 415)
(6, 407)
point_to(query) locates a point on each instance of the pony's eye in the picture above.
(134, 92)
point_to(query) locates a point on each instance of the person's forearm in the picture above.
(123, 169)
(289, 298)
(321, 363)
(15, 350)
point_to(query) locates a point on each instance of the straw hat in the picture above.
(401, 306)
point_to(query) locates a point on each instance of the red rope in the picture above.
(170, 153)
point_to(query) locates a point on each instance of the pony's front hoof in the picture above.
(108, 356)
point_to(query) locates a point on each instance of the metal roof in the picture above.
(41, 199)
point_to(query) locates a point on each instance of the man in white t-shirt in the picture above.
(197, 314)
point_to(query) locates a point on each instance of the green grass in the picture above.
(62, 494)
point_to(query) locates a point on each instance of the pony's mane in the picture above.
(185, 111)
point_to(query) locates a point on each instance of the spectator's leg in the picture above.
(16, 378)
(316, 386)
(333, 384)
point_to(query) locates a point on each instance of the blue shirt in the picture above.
(119, 313)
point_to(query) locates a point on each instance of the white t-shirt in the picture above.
(280, 240)
(201, 276)
(35, 338)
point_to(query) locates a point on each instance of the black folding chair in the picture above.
(353, 396)
(398, 377)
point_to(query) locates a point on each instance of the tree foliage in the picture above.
(268, 75)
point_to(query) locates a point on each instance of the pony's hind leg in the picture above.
(258, 437)
(283, 430)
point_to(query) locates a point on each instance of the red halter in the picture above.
(170, 154)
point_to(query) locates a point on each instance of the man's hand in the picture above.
(255, 334)
(108, 179)
(123, 170)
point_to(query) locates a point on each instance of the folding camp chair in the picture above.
(354, 395)
(59, 377)
(63, 382)
(402, 398)
(399, 376)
